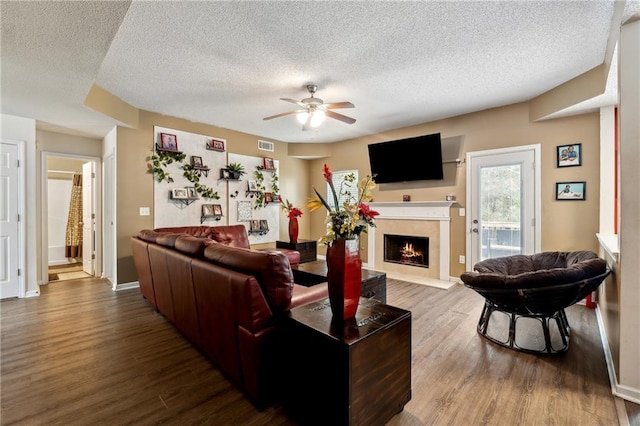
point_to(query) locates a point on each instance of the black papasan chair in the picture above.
(535, 287)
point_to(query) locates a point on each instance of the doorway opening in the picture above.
(70, 231)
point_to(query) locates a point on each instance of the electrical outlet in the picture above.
(462, 260)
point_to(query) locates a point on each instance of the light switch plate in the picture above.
(462, 212)
(144, 211)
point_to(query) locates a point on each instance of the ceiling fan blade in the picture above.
(339, 105)
(340, 117)
(282, 114)
(293, 101)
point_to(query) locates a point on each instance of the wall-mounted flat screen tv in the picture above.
(404, 160)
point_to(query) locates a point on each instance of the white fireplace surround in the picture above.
(421, 211)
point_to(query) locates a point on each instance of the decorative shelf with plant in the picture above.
(234, 171)
(193, 176)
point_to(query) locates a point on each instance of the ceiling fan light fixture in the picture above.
(302, 117)
(317, 117)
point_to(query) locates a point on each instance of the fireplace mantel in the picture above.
(439, 211)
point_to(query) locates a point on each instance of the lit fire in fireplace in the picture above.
(409, 254)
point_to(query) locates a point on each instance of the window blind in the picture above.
(338, 178)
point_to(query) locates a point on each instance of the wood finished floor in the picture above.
(81, 354)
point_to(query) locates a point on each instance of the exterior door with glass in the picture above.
(503, 202)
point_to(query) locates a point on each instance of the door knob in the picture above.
(475, 230)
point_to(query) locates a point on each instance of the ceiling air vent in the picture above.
(265, 146)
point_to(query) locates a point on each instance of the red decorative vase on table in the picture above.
(293, 230)
(344, 276)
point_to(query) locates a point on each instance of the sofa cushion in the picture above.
(196, 231)
(272, 270)
(232, 235)
(148, 235)
(191, 245)
(168, 239)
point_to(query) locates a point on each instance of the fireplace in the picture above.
(406, 250)
(427, 219)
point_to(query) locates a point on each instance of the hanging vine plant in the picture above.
(261, 188)
(160, 160)
(193, 176)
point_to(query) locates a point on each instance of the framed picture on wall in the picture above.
(217, 210)
(168, 142)
(207, 210)
(569, 155)
(191, 192)
(269, 164)
(566, 191)
(196, 161)
(216, 145)
(179, 193)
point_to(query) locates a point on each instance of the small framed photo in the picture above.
(168, 142)
(254, 225)
(217, 209)
(225, 174)
(196, 161)
(269, 164)
(575, 191)
(179, 193)
(216, 145)
(569, 155)
(268, 197)
(207, 210)
(264, 225)
(253, 185)
(191, 192)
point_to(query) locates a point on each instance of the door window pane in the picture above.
(500, 211)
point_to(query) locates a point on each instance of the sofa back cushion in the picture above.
(168, 239)
(196, 231)
(192, 246)
(232, 236)
(271, 269)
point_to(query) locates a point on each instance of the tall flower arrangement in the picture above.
(353, 216)
(290, 210)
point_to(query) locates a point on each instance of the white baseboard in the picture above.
(624, 392)
(127, 286)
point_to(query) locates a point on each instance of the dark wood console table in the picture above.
(308, 249)
(374, 283)
(353, 373)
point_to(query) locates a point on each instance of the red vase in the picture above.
(293, 230)
(344, 276)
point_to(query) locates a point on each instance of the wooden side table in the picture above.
(308, 249)
(354, 373)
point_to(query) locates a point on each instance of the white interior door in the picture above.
(88, 218)
(503, 202)
(9, 222)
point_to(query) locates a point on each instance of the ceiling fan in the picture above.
(313, 110)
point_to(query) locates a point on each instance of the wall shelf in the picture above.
(201, 171)
(168, 151)
(186, 201)
(203, 218)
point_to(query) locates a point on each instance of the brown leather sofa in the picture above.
(228, 301)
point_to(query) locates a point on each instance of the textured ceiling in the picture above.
(228, 63)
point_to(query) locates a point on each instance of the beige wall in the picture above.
(135, 186)
(495, 128)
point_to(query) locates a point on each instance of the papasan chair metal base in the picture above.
(550, 347)
(534, 289)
